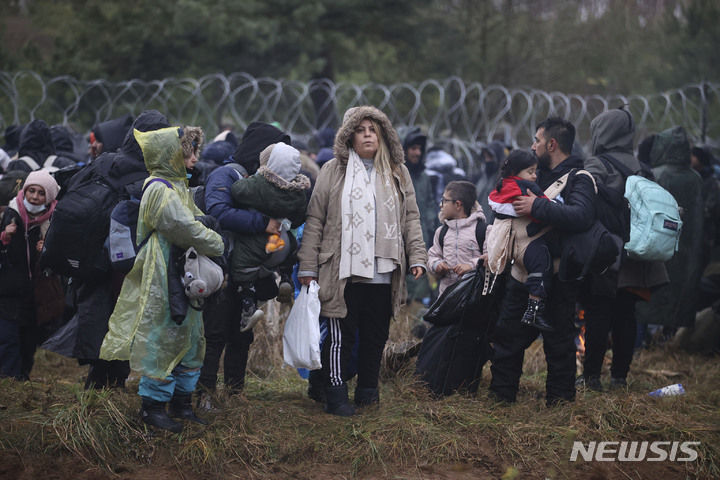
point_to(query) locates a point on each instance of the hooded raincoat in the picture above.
(674, 305)
(612, 133)
(141, 328)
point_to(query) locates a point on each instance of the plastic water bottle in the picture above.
(670, 390)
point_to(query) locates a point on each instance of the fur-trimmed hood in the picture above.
(300, 182)
(353, 117)
(192, 141)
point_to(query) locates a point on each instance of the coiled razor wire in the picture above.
(461, 116)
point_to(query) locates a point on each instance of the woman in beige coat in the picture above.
(361, 236)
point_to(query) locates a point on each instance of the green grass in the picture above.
(52, 427)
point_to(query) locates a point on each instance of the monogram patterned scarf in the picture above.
(371, 222)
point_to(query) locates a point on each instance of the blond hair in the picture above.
(383, 162)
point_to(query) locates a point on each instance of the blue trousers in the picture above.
(180, 380)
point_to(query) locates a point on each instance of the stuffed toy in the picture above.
(202, 277)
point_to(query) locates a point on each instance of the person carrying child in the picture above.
(276, 190)
(517, 176)
(458, 252)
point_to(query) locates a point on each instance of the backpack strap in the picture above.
(153, 180)
(238, 168)
(49, 161)
(30, 162)
(480, 229)
(608, 159)
(441, 238)
(161, 180)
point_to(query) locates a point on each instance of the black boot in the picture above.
(316, 386)
(534, 315)
(337, 401)
(286, 290)
(366, 396)
(153, 413)
(181, 407)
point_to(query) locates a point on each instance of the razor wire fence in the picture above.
(462, 116)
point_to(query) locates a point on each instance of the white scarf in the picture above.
(359, 243)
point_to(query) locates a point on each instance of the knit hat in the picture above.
(43, 179)
(281, 159)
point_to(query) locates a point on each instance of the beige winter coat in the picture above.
(320, 251)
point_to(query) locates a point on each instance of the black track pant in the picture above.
(369, 311)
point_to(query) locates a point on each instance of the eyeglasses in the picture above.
(443, 200)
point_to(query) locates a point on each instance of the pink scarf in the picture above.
(29, 221)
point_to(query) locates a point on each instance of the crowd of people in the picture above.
(386, 219)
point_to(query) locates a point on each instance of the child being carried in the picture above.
(277, 190)
(516, 178)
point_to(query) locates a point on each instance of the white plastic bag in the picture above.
(301, 338)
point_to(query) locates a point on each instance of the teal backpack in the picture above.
(655, 224)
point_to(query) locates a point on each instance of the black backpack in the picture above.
(592, 251)
(74, 243)
(613, 209)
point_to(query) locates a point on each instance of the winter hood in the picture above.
(352, 118)
(255, 139)
(112, 133)
(36, 141)
(612, 131)
(130, 156)
(671, 147)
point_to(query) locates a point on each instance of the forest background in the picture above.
(571, 46)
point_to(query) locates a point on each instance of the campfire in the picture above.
(580, 339)
(580, 344)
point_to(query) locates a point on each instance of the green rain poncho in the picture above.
(140, 328)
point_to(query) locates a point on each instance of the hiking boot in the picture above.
(534, 315)
(154, 413)
(617, 383)
(181, 407)
(592, 383)
(286, 290)
(250, 315)
(337, 401)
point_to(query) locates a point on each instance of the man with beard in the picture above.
(572, 211)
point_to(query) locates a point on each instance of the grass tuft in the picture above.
(272, 430)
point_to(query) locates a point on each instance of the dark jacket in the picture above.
(218, 197)
(424, 193)
(577, 212)
(64, 145)
(82, 336)
(612, 133)
(12, 139)
(113, 133)
(674, 304)
(17, 260)
(36, 142)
